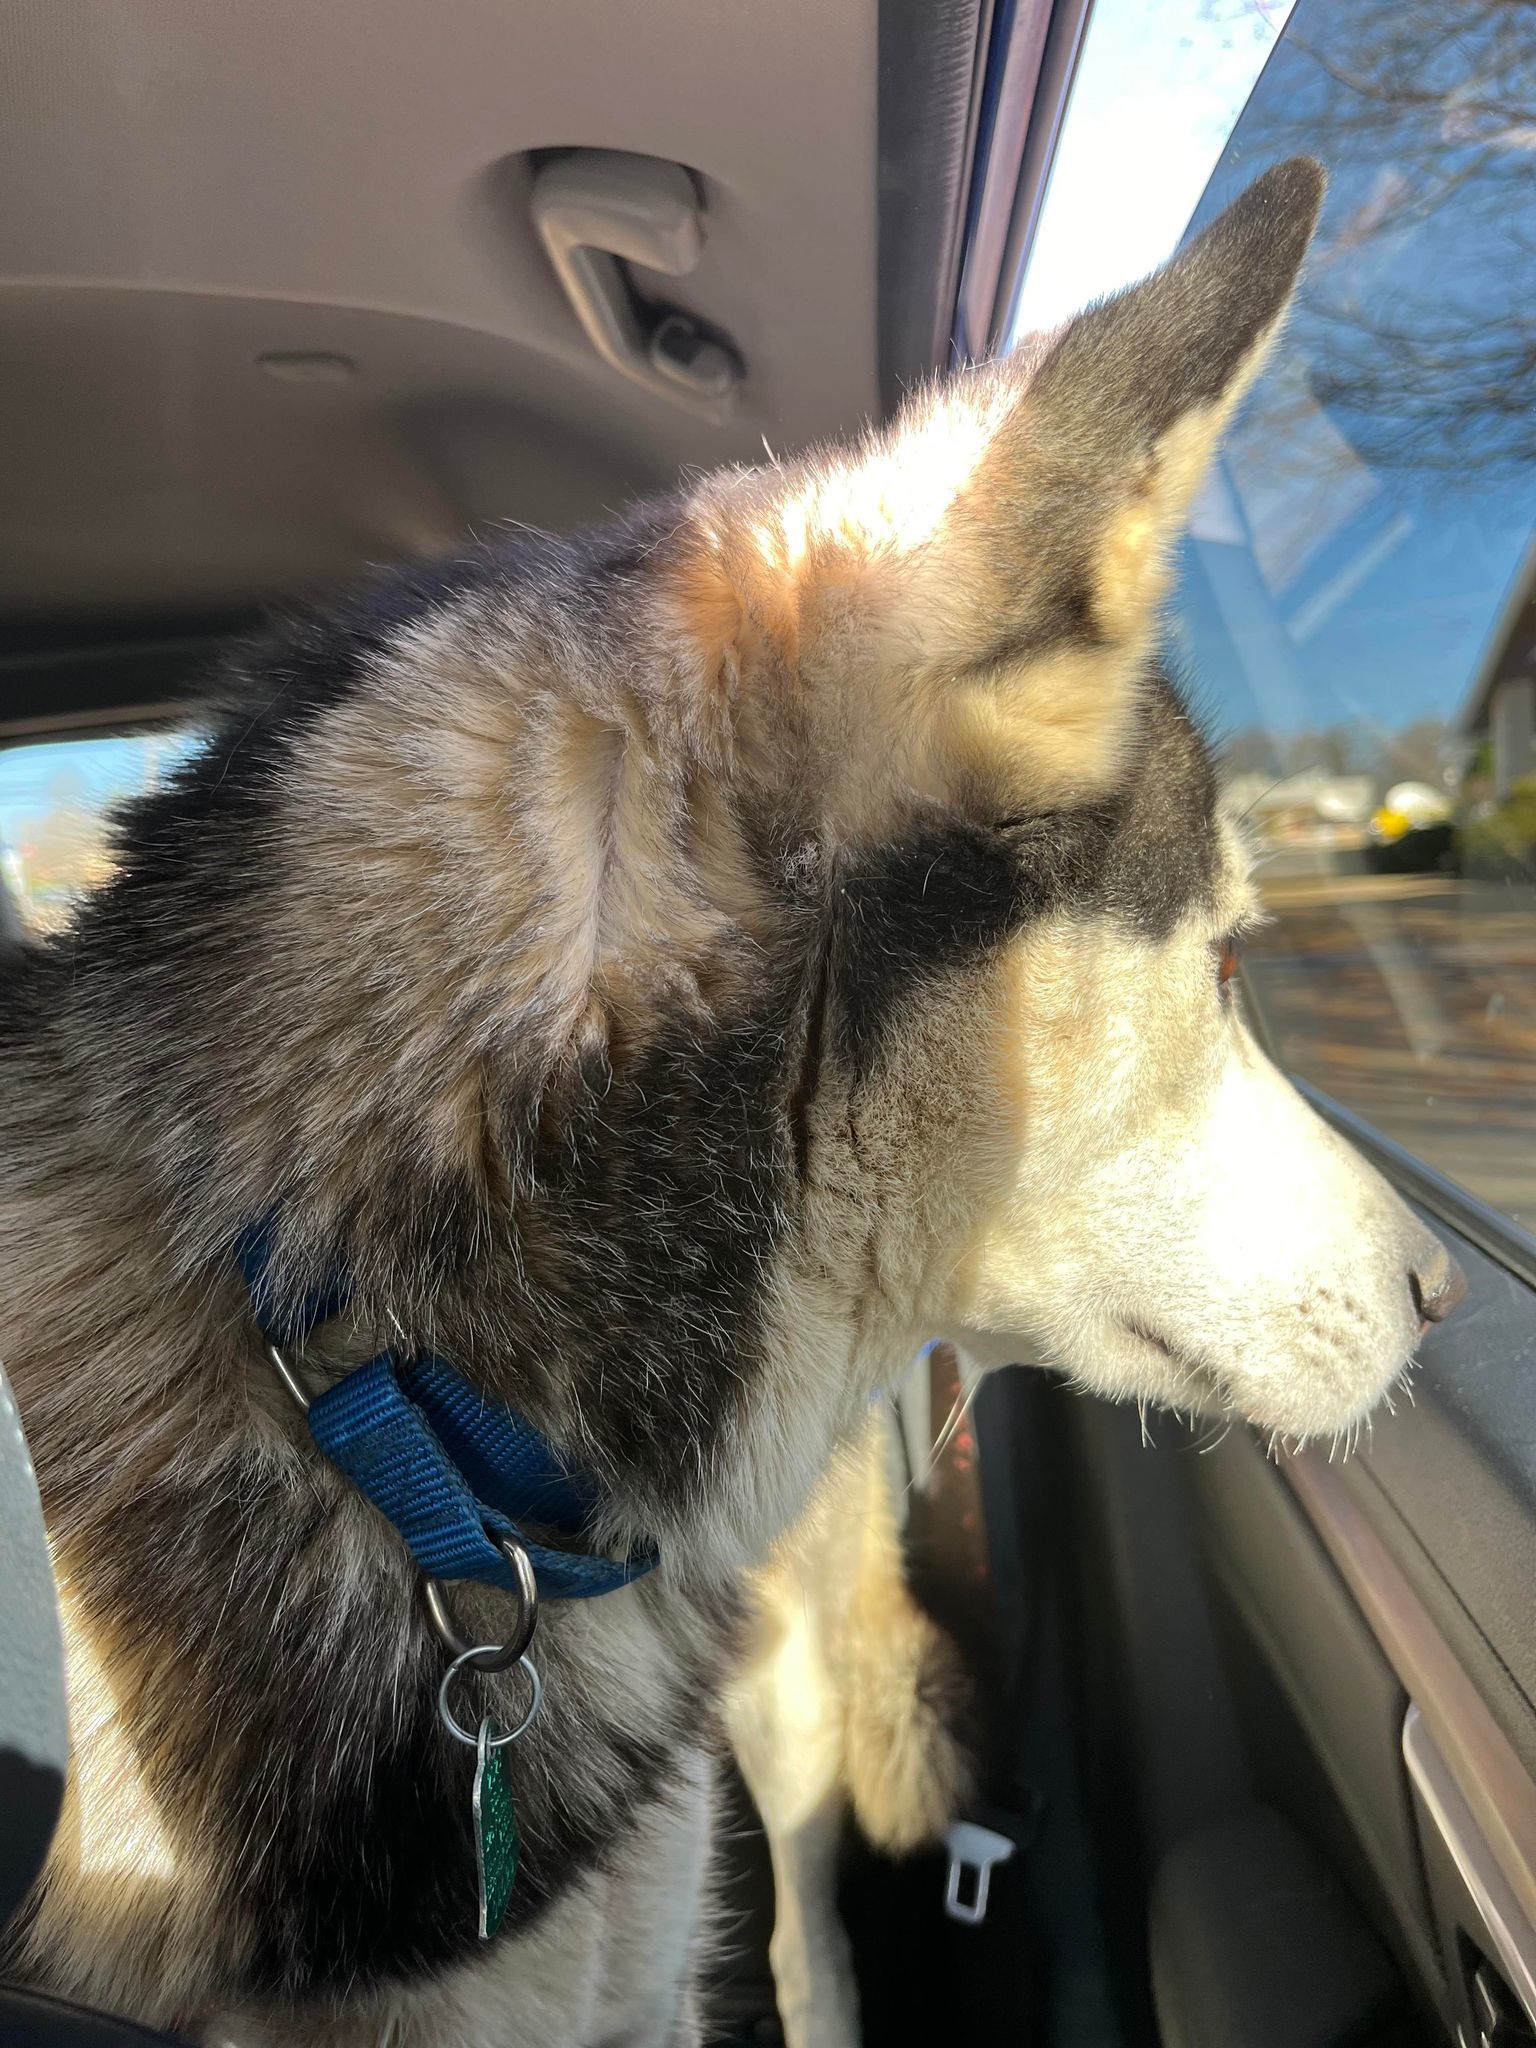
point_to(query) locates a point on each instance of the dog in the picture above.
(671, 974)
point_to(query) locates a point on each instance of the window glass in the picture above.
(55, 798)
(1157, 89)
(1358, 596)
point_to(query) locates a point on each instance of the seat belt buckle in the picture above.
(974, 1851)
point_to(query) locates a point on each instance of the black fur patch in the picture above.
(370, 1879)
(367, 1874)
(647, 1195)
(912, 911)
(683, 1215)
(343, 1805)
(941, 895)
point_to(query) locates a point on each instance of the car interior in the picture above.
(290, 291)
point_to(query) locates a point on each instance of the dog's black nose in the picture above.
(1437, 1284)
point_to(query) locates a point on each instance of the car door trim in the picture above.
(1508, 1928)
(1479, 1759)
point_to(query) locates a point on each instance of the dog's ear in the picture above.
(1136, 392)
(1011, 532)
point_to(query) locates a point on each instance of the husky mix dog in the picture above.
(673, 972)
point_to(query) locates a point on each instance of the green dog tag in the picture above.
(496, 1842)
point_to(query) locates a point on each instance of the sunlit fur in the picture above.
(848, 1702)
(676, 971)
(1179, 1227)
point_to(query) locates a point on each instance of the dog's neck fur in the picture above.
(546, 1108)
(545, 1113)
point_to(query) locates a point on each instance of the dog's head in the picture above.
(718, 954)
(1038, 1111)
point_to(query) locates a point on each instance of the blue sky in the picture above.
(88, 775)
(1367, 598)
(1159, 87)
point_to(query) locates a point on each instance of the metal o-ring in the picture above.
(461, 1734)
(490, 1656)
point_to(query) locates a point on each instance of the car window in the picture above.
(55, 800)
(1158, 84)
(1357, 599)
(1356, 613)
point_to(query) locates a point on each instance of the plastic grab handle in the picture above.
(597, 207)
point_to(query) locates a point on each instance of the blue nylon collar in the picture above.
(449, 1468)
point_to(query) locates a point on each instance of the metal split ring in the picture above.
(490, 1656)
(461, 1734)
(485, 1656)
(287, 1372)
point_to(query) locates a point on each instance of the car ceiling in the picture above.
(192, 188)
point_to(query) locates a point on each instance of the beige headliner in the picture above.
(193, 183)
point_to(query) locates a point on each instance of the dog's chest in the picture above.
(615, 1960)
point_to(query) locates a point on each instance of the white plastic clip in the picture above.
(974, 1849)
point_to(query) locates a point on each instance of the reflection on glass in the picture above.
(55, 804)
(1359, 589)
(1158, 84)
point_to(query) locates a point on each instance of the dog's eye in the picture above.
(1228, 956)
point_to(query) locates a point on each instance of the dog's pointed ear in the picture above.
(1138, 390)
(1015, 525)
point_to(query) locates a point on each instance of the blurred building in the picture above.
(1502, 701)
(1311, 808)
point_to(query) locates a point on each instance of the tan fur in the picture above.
(620, 881)
(118, 1865)
(877, 582)
(908, 1774)
(847, 1702)
(824, 600)
(1136, 552)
